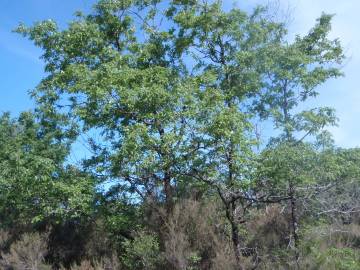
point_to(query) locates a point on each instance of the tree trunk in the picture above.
(168, 194)
(234, 236)
(294, 223)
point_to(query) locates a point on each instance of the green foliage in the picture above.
(151, 107)
(34, 183)
(335, 258)
(142, 253)
(343, 258)
(294, 72)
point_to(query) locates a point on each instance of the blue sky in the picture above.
(21, 69)
(20, 66)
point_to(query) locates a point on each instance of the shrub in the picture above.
(103, 264)
(27, 253)
(142, 253)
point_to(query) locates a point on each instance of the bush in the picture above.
(27, 253)
(142, 253)
(103, 264)
(332, 259)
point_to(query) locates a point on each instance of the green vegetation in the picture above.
(169, 95)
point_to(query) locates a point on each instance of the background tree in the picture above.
(35, 184)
